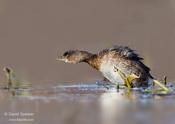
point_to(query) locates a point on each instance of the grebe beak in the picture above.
(60, 58)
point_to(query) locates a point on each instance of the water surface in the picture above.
(85, 104)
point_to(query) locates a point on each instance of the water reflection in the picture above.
(87, 104)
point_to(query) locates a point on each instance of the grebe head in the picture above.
(74, 56)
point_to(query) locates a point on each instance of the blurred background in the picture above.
(34, 32)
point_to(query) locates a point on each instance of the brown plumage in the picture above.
(120, 57)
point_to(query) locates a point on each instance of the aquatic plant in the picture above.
(12, 80)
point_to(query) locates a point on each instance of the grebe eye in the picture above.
(65, 54)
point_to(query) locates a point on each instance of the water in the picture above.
(84, 104)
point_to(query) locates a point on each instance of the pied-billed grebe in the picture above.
(106, 61)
